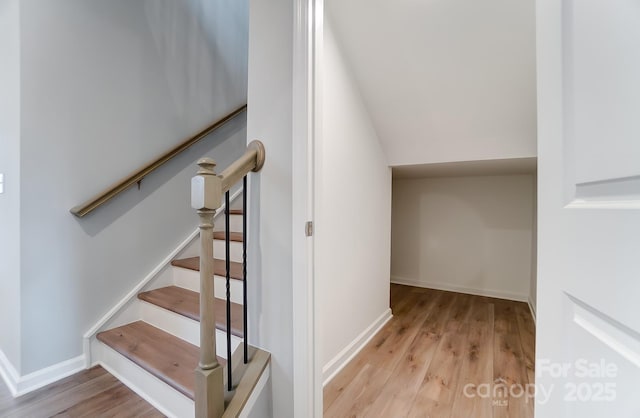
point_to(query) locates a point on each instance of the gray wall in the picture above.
(106, 86)
(10, 167)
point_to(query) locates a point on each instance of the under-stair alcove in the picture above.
(463, 284)
(428, 142)
(466, 227)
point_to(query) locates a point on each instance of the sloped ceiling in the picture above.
(444, 80)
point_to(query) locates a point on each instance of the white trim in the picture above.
(9, 374)
(247, 409)
(53, 373)
(498, 294)
(133, 294)
(603, 204)
(336, 364)
(21, 385)
(235, 250)
(532, 308)
(184, 328)
(306, 54)
(618, 337)
(190, 280)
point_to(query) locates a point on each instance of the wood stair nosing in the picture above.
(233, 236)
(165, 356)
(187, 303)
(219, 267)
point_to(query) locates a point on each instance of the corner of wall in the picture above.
(333, 367)
(9, 374)
(532, 309)
(10, 116)
(21, 385)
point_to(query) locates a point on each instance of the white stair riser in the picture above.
(183, 327)
(190, 279)
(163, 397)
(235, 248)
(234, 220)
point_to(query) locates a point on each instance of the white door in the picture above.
(588, 330)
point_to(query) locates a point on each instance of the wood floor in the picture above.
(91, 393)
(442, 355)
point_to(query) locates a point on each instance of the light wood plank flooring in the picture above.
(91, 393)
(442, 355)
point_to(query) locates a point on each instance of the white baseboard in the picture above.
(9, 374)
(331, 369)
(21, 385)
(133, 294)
(498, 294)
(532, 308)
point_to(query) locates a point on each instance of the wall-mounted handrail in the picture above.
(117, 188)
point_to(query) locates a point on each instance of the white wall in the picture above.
(10, 167)
(468, 234)
(270, 280)
(352, 212)
(444, 80)
(106, 87)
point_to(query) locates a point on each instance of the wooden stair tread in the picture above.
(219, 266)
(236, 212)
(187, 303)
(233, 236)
(169, 358)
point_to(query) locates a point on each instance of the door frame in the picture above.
(306, 112)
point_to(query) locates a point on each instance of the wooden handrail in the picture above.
(207, 190)
(102, 198)
(251, 160)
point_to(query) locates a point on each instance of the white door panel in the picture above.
(589, 208)
(601, 41)
(608, 386)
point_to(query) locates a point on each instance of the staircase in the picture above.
(162, 343)
(152, 341)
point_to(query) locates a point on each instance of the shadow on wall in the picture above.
(123, 203)
(196, 39)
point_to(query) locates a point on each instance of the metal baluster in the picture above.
(244, 268)
(227, 239)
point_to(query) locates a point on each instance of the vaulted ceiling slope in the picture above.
(444, 80)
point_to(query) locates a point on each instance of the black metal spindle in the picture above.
(244, 268)
(227, 239)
